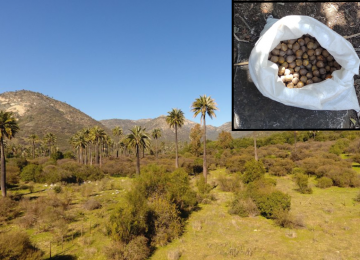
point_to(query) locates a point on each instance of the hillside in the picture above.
(39, 114)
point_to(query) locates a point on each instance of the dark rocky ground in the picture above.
(259, 112)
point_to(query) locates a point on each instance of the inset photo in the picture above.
(296, 65)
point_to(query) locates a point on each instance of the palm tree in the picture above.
(175, 119)
(156, 134)
(8, 129)
(50, 139)
(33, 138)
(117, 131)
(138, 139)
(255, 147)
(204, 105)
(97, 135)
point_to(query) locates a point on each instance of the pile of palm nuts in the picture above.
(302, 62)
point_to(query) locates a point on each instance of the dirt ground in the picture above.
(342, 17)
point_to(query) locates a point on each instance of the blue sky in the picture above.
(119, 58)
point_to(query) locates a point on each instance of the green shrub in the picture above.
(254, 170)
(57, 189)
(136, 249)
(57, 155)
(8, 209)
(21, 163)
(343, 177)
(302, 181)
(357, 198)
(203, 188)
(69, 155)
(232, 183)
(285, 219)
(268, 204)
(324, 182)
(167, 222)
(92, 204)
(17, 245)
(339, 147)
(31, 172)
(243, 207)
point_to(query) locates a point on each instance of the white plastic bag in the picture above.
(337, 93)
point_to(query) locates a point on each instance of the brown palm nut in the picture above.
(332, 69)
(308, 67)
(303, 72)
(322, 71)
(316, 79)
(287, 72)
(309, 81)
(309, 75)
(312, 58)
(323, 76)
(330, 58)
(295, 80)
(285, 64)
(314, 68)
(278, 47)
(275, 52)
(316, 45)
(305, 62)
(320, 64)
(289, 45)
(296, 75)
(300, 84)
(288, 78)
(310, 52)
(320, 57)
(325, 53)
(292, 64)
(316, 73)
(292, 41)
(284, 47)
(327, 68)
(282, 53)
(291, 71)
(313, 62)
(302, 67)
(290, 59)
(299, 53)
(303, 79)
(289, 52)
(301, 42)
(330, 63)
(303, 48)
(307, 39)
(305, 56)
(290, 85)
(296, 46)
(274, 58)
(281, 70)
(281, 60)
(297, 69)
(310, 45)
(318, 51)
(298, 62)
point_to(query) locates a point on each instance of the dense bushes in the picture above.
(324, 182)
(302, 181)
(154, 208)
(254, 170)
(17, 245)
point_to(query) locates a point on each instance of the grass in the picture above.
(331, 216)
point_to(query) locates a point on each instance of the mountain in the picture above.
(212, 132)
(39, 114)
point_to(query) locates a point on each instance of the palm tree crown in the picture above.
(138, 139)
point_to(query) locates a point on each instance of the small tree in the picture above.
(302, 181)
(254, 170)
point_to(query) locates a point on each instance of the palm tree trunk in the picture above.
(256, 155)
(204, 160)
(85, 155)
(3, 169)
(156, 148)
(97, 153)
(101, 145)
(137, 160)
(176, 148)
(33, 143)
